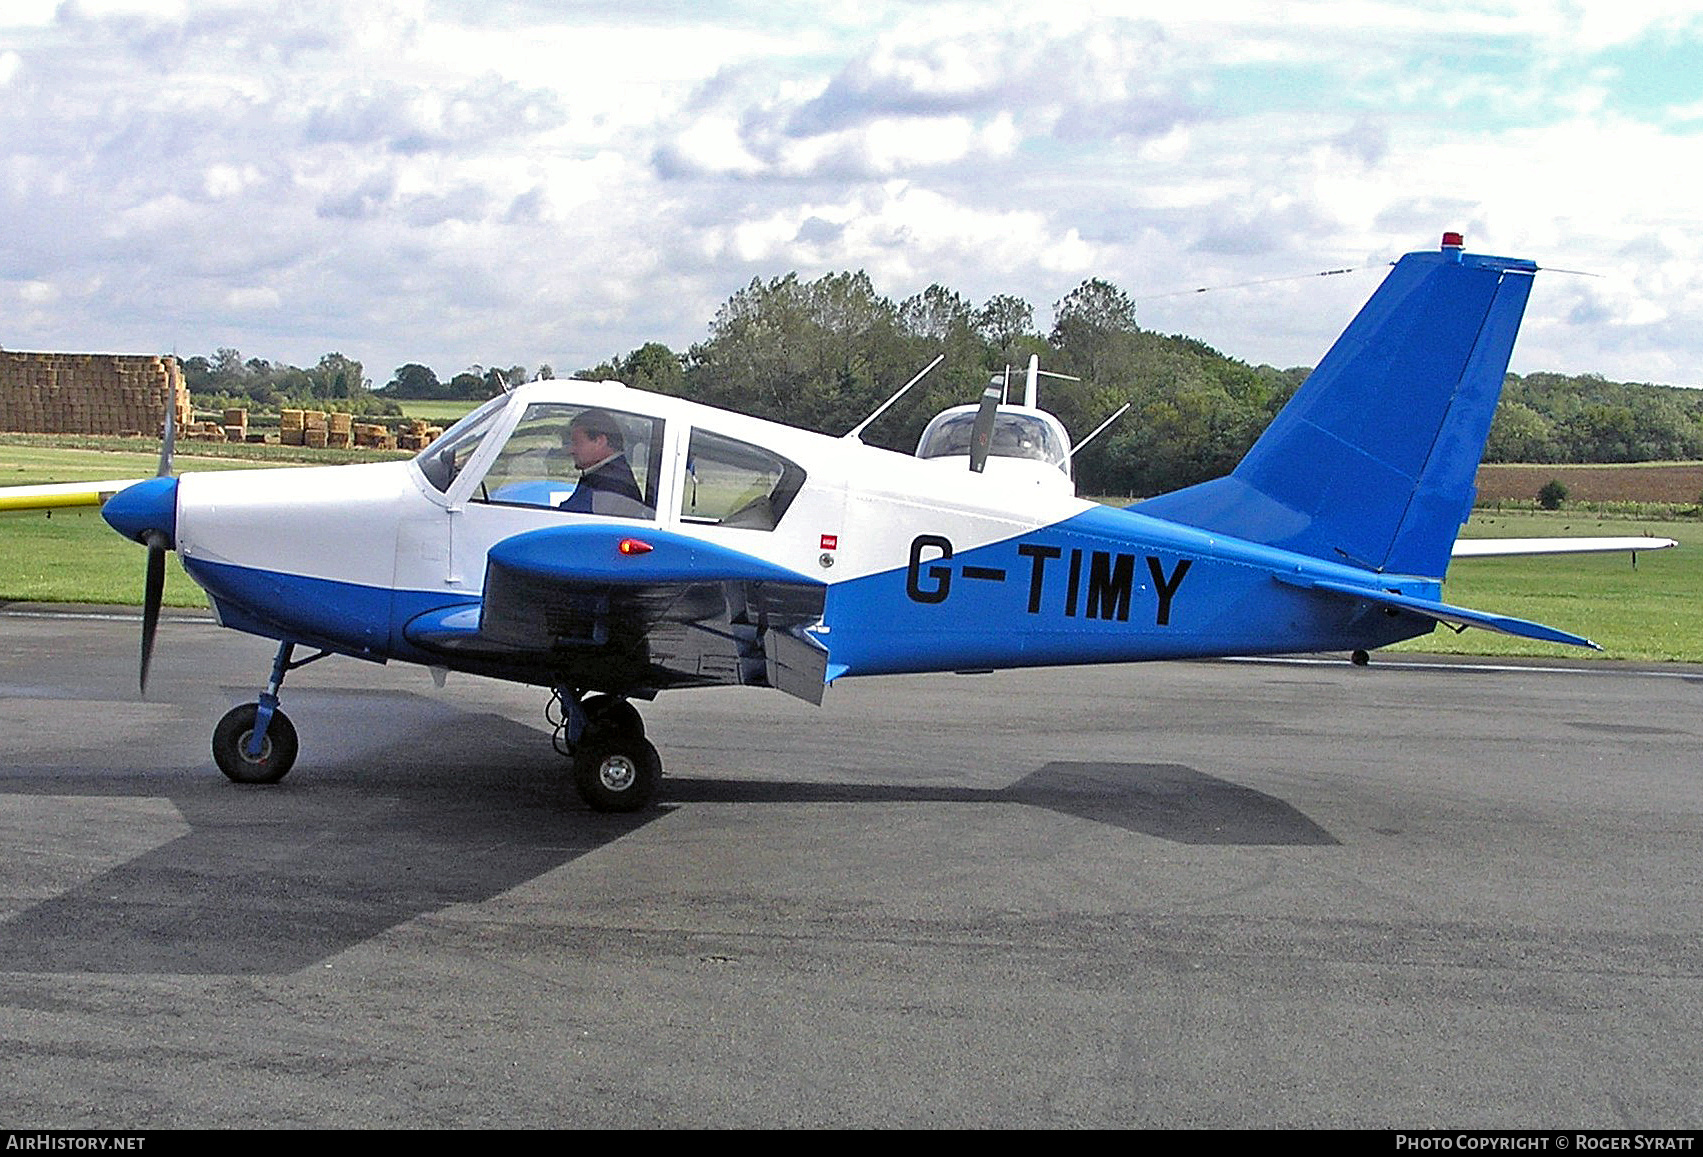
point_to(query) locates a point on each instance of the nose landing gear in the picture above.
(256, 742)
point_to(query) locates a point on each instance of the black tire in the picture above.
(277, 753)
(617, 773)
(608, 715)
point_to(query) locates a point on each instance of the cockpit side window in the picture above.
(582, 459)
(733, 483)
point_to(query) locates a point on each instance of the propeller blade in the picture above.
(981, 434)
(153, 595)
(168, 440)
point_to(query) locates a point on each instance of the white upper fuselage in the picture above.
(386, 525)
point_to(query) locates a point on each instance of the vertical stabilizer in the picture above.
(1372, 463)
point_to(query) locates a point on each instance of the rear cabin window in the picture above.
(733, 483)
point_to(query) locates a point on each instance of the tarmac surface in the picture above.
(1209, 894)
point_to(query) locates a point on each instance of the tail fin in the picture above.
(1373, 461)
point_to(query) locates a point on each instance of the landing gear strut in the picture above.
(256, 742)
(616, 769)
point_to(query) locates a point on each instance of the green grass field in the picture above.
(1650, 613)
(441, 413)
(72, 556)
(31, 458)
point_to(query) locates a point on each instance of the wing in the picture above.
(1503, 547)
(58, 495)
(634, 610)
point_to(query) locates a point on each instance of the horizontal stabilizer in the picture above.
(1506, 547)
(1457, 617)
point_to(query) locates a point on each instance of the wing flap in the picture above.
(1458, 617)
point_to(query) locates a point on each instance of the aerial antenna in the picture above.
(1100, 428)
(855, 434)
(1251, 284)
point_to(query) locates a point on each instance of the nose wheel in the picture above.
(615, 768)
(234, 735)
(256, 742)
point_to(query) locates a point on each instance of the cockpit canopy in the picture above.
(1018, 432)
(725, 481)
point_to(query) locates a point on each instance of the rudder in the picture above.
(1372, 462)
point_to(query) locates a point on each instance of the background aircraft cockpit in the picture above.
(1017, 433)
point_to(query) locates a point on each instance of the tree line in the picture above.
(823, 353)
(227, 379)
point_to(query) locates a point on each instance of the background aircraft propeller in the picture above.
(981, 434)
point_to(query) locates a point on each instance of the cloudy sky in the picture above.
(503, 181)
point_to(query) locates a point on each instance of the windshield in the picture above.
(444, 459)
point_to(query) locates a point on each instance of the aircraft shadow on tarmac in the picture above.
(1166, 800)
(271, 880)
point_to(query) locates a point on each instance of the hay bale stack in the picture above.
(58, 393)
(339, 430)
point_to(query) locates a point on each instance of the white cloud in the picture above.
(253, 299)
(452, 183)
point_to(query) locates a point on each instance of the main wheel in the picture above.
(617, 773)
(277, 750)
(610, 715)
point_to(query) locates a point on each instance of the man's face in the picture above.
(588, 450)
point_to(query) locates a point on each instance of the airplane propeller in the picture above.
(157, 542)
(153, 594)
(981, 434)
(146, 512)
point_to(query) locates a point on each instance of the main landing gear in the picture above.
(256, 742)
(615, 767)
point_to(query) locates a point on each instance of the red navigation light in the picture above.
(1453, 241)
(634, 546)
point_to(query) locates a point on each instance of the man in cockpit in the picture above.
(606, 482)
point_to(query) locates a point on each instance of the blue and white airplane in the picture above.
(722, 549)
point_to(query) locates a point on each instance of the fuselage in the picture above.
(925, 568)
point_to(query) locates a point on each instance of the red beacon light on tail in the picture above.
(1453, 243)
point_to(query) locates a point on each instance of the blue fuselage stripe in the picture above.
(1104, 586)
